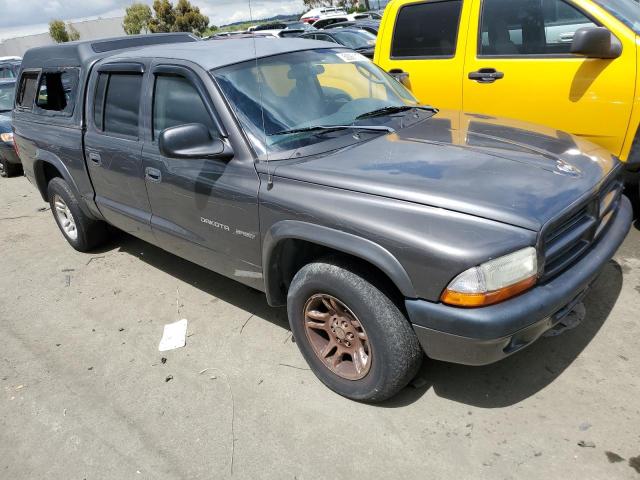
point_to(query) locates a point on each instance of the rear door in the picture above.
(113, 146)
(427, 40)
(526, 43)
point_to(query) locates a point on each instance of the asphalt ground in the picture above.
(84, 393)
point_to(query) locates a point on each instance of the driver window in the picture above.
(177, 102)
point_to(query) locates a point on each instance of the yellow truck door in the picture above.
(519, 65)
(426, 40)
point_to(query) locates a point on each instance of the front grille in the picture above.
(567, 239)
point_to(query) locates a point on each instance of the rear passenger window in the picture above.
(117, 103)
(27, 90)
(427, 30)
(56, 91)
(177, 102)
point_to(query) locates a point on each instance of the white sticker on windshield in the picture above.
(352, 57)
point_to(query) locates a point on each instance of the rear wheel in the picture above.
(352, 335)
(82, 232)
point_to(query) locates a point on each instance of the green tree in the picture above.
(189, 19)
(164, 18)
(137, 19)
(58, 31)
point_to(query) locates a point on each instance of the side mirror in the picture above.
(595, 42)
(401, 77)
(192, 140)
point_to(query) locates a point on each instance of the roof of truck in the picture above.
(75, 54)
(211, 55)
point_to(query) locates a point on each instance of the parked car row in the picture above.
(9, 162)
(356, 31)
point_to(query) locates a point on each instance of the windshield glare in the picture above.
(627, 11)
(7, 92)
(305, 89)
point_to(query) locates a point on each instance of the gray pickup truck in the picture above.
(301, 169)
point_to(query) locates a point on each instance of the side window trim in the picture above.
(426, 57)
(527, 55)
(21, 83)
(196, 82)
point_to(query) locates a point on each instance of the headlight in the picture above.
(494, 281)
(6, 137)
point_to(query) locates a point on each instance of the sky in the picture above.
(25, 17)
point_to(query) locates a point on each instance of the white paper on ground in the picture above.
(174, 336)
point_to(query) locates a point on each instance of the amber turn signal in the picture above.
(483, 299)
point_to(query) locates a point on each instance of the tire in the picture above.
(9, 169)
(393, 352)
(89, 233)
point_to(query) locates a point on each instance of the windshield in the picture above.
(7, 92)
(355, 40)
(305, 89)
(627, 11)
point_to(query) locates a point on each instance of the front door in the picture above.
(427, 42)
(113, 147)
(203, 209)
(524, 46)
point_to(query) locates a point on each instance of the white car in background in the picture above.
(316, 14)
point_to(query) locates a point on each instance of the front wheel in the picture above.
(352, 335)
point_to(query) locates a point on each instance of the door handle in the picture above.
(153, 175)
(486, 75)
(95, 158)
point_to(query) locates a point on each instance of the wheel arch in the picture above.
(48, 166)
(289, 245)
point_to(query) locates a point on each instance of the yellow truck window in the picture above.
(523, 27)
(427, 30)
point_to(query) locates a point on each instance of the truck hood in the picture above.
(499, 169)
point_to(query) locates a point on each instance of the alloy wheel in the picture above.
(65, 218)
(337, 337)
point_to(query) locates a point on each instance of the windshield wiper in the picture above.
(330, 128)
(395, 109)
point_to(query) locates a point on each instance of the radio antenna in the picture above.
(259, 78)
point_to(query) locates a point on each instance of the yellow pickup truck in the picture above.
(569, 64)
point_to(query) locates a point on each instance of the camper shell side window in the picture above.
(27, 90)
(57, 91)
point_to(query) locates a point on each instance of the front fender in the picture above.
(340, 241)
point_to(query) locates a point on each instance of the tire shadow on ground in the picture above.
(211, 283)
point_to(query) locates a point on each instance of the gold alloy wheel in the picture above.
(337, 337)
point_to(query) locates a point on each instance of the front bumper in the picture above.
(479, 336)
(9, 153)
